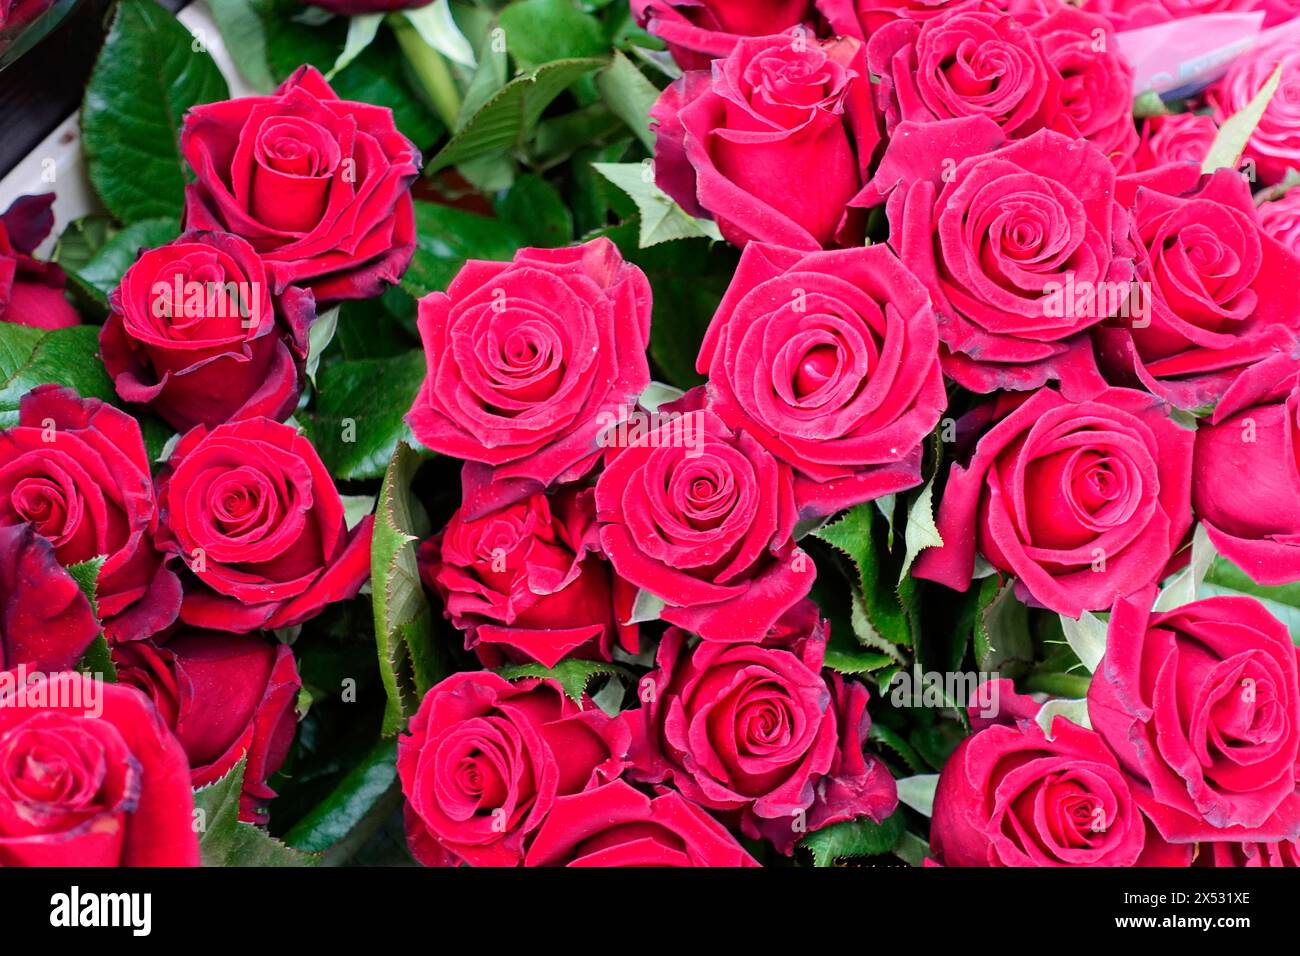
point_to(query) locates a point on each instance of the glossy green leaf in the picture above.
(349, 802)
(446, 237)
(543, 31)
(31, 357)
(101, 274)
(572, 675)
(224, 840)
(854, 838)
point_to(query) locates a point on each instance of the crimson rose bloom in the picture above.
(1008, 796)
(90, 777)
(702, 517)
(831, 361)
(617, 825)
(46, 622)
(696, 31)
(1280, 219)
(529, 360)
(253, 513)
(76, 470)
(757, 728)
(1275, 143)
(485, 760)
(195, 334)
(1220, 296)
(1249, 854)
(1179, 138)
(863, 18)
(1202, 707)
(1016, 242)
(316, 184)
(225, 697)
(31, 291)
(773, 143)
(1082, 502)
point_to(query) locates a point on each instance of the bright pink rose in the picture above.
(1083, 502)
(696, 31)
(46, 622)
(1284, 854)
(863, 18)
(31, 291)
(1178, 138)
(1280, 219)
(1275, 144)
(1202, 707)
(1134, 14)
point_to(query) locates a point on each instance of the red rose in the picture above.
(744, 142)
(1274, 145)
(89, 776)
(523, 582)
(76, 470)
(1083, 502)
(316, 184)
(225, 697)
(863, 18)
(1202, 707)
(831, 361)
(1020, 245)
(696, 31)
(702, 517)
(485, 760)
(617, 825)
(31, 292)
(756, 728)
(254, 515)
(1219, 296)
(46, 622)
(529, 360)
(1179, 138)
(195, 334)
(1249, 854)
(1280, 219)
(1008, 796)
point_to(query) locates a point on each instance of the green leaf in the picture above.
(1183, 587)
(1149, 104)
(224, 840)
(97, 659)
(629, 95)
(1074, 710)
(1086, 637)
(911, 849)
(920, 532)
(1282, 601)
(31, 357)
(572, 675)
(335, 816)
(149, 72)
(362, 30)
(319, 338)
(854, 536)
(646, 607)
(542, 31)
(918, 792)
(81, 239)
(243, 30)
(882, 735)
(487, 80)
(445, 238)
(101, 274)
(1001, 627)
(853, 838)
(538, 211)
(436, 27)
(1230, 142)
(662, 220)
(376, 77)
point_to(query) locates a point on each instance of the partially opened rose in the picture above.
(1082, 502)
(89, 776)
(1274, 145)
(696, 31)
(31, 291)
(317, 185)
(46, 621)
(195, 334)
(76, 470)
(831, 361)
(1176, 138)
(773, 143)
(1201, 705)
(252, 512)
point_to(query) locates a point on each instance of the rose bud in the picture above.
(252, 512)
(1009, 796)
(31, 291)
(530, 360)
(617, 825)
(195, 334)
(76, 470)
(696, 31)
(90, 777)
(1083, 502)
(46, 622)
(317, 185)
(742, 143)
(1274, 146)
(1201, 705)
(485, 760)
(1177, 138)
(226, 697)
(524, 585)
(831, 361)
(703, 518)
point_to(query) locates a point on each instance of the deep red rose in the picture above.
(76, 470)
(1274, 146)
(1083, 502)
(254, 515)
(702, 517)
(1178, 138)
(617, 825)
(831, 361)
(225, 697)
(758, 730)
(696, 31)
(1286, 854)
(773, 143)
(1020, 245)
(1217, 286)
(31, 291)
(485, 760)
(316, 184)
(46, 622)
(530, 360)
(1280, 218)
(195, 334)
(89, 776)
(1008, 796)
(1201, 705)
